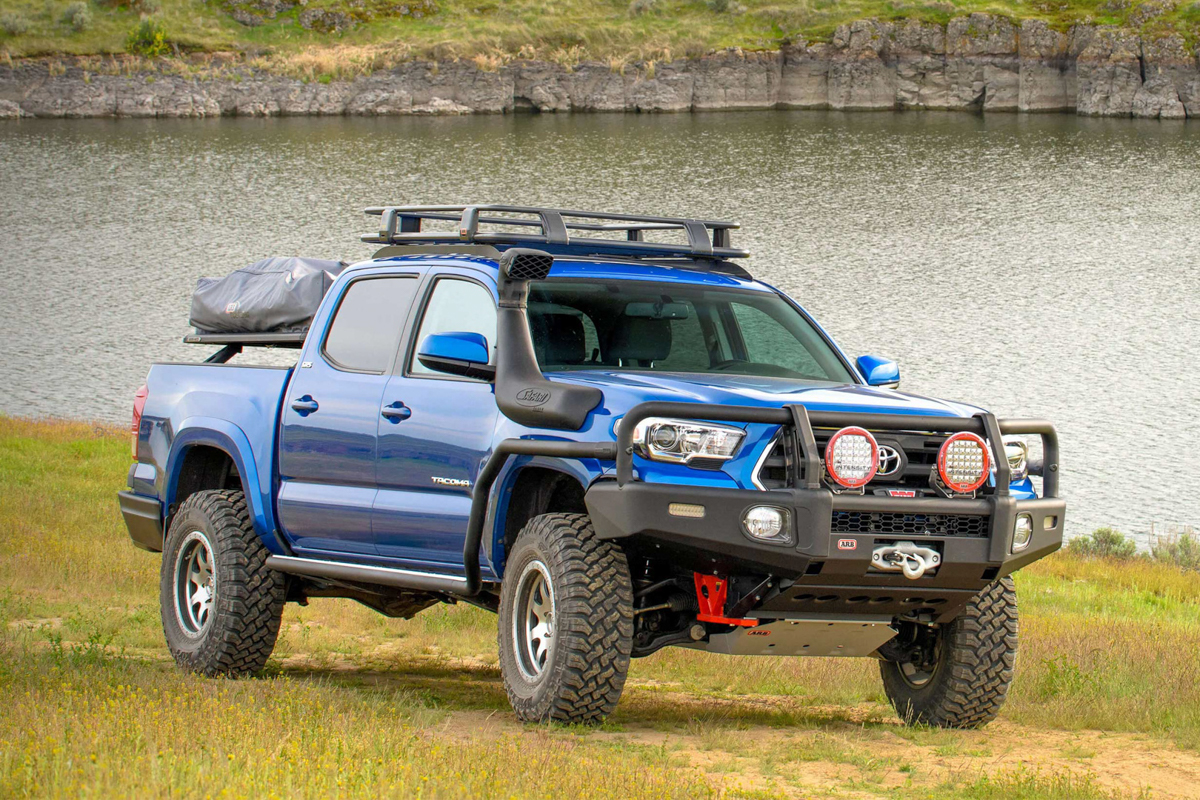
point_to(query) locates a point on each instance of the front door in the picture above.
(432, 449)
(330, 417)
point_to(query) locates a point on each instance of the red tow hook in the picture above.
(710, 593)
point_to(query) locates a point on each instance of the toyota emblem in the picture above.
(890, 461)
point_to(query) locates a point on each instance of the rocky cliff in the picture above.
(980, 62)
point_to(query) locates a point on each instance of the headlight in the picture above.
(963, 463)
(1018, 458)
(682, 441)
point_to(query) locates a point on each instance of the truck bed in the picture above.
(232, 407)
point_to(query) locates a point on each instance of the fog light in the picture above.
(1022, 532)
(768, 524)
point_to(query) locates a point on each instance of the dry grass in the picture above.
(359, 705)
(554, 30)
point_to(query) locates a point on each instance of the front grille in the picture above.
(889, 524)
(780, 469)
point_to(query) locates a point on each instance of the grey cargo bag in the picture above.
(273, 295)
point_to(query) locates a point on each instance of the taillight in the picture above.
(139, 403)
(852, 457)
(963, 463)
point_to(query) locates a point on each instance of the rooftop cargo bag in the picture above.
(272, 295)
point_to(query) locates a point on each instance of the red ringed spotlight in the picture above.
(963, 463)
(852, 457)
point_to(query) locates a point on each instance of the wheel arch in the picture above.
(533, 487)
(215, 454)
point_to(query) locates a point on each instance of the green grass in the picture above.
(492, 32)
(357, 705)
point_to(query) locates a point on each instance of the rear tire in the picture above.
(566, 622)
(962, 679)
(221, 605)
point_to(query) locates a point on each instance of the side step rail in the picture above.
(362, 573)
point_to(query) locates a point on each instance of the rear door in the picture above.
(431, 453)
(330, 416)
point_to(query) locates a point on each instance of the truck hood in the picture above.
(623, 390)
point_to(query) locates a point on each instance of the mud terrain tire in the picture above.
(976, 657)
(220, 604)
(565, 623)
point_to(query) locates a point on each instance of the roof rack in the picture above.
(706, 239)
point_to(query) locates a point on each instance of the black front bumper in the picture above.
(828, 569)
(143, 518)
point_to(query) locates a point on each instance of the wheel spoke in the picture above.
(195, 584)
(534, 629)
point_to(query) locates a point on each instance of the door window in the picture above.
(366, 328)
(456, 306)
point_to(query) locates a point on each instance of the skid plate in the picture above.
(807, 637)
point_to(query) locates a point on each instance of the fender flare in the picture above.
(231, 440)
(576, 469)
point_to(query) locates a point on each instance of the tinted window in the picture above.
(366, 327)
(677, 328)
(457, 306)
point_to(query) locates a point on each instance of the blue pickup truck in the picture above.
(602, 428)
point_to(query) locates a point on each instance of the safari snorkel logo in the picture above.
(532, 398)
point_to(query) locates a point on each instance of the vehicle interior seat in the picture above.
(638, 340)
(558, 339)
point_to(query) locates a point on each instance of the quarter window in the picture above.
(366, 327)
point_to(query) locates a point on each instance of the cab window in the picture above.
(456, 306)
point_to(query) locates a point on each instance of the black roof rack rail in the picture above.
(707, 240)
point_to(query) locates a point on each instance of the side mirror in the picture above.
(879, 371)
(464, 354)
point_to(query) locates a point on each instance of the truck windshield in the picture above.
(668, 327)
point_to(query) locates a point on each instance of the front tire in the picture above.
(221, 605)
(566, 622)
(958, 675)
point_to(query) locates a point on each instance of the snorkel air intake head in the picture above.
(522, 393)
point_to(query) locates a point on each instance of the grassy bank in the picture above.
(355, 34)
(357, 705)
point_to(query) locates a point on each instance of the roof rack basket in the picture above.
(556, 231)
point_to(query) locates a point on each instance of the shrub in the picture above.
(1104, 543)
(148, 39)
(13, 23)
(146, 6)
(78, 16)
(638, 7)
(1182, 550)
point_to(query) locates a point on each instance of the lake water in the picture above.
(1035, 265)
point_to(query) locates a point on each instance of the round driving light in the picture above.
(963, 463)
(852, 457)
(768, 524)
(1022, 532)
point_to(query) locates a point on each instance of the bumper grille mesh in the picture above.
(887, 524)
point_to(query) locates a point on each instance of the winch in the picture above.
(907, 557)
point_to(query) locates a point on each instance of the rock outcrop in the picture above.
(978, 62)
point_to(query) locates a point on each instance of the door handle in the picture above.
(396, 412)
(305, 405)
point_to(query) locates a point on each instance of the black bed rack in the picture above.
(232, 343)
(558, 231)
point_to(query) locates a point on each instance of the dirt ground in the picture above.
(847, 760)
(842, 751)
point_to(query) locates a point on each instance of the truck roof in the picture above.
(584, 269)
